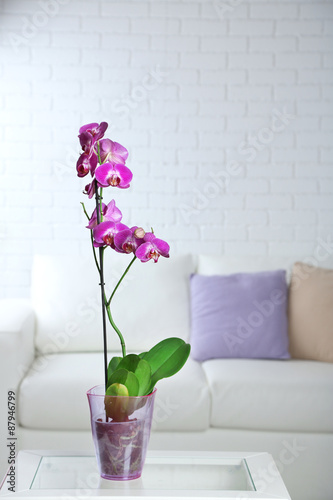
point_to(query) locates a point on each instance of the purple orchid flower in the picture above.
(111, 174)
(90, 189)
(90, 134)
(110, 213)
(105, 232)
(112, 152)
(128, 240)
(152, 248)
(97, 131)
(86, 163)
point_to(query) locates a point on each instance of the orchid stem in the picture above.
(121, 279)
(94, 251)
(92, 239)
(101, 191)
(102, 284)
(116, 329)
(85, 211)
(101, 204)
(108, 309)
(99, 153)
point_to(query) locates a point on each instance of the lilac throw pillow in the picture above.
(239, 316)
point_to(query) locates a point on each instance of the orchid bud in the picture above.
(139, 232)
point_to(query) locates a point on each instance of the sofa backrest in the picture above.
(221, 264)
(151, 304)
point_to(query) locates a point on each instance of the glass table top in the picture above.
(159, 473)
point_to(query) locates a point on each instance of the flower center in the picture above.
(114, 180)
(108, 239)
(83, 169)
(153, 255)
(128, 247)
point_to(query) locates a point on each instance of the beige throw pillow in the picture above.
(311, 313)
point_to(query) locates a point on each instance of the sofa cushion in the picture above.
(151, 304)
(311, 313)
(53, 394)
(241, 315)
(272, 395)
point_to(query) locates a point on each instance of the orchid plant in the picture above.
(104, 160)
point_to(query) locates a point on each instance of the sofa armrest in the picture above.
(17, 351)
(17, 324)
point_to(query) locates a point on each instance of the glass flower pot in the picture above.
(121, 429)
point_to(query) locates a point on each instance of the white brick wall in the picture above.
(231, 151)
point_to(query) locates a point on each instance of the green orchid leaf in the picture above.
(141, 368)
(127, 378)
(129, 362)
(166, 358)
(172, 365)
(114, 362)
(143, 373)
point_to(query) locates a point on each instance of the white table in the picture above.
(177, 475)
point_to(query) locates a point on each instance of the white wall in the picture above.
(224, 72)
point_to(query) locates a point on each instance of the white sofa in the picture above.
(51, 354)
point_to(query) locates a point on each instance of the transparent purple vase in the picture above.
(121, 440)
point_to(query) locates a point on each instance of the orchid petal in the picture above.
(142, 252)
(90, 189)
(162, 246)
(83, 165)
(86, 141)
(88, 127)
(123, 241)
(101, 129)
(149, 236)
(86, 163)
(93, 160)
(103, 233)
(110, 213)
(119, 151)
(112, 152)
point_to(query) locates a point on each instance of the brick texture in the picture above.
(225, 107)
